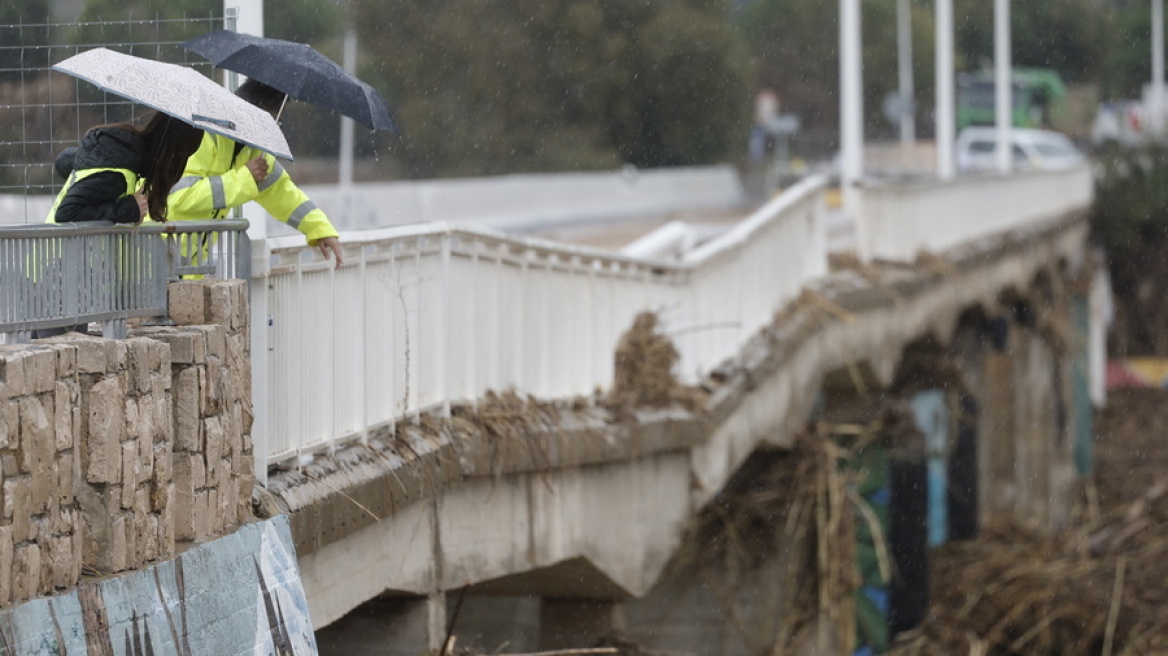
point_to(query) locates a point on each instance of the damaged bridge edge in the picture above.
(761, 397)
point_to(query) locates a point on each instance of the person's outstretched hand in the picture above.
(142, 207)
(258, 168)
(333, 245)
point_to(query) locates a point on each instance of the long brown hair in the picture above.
(169, 143)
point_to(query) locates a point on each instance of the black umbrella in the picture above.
(298, 71)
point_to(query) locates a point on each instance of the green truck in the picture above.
(1039, 97)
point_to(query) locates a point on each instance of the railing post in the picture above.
(444, 338)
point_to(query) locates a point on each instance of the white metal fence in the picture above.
(420, 318)
(899, 220)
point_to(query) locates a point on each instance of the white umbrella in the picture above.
(181, 92)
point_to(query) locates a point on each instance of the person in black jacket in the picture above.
(122, 172)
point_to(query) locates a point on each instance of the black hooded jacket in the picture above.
(101, 196)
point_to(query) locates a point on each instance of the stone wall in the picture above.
(113, 451)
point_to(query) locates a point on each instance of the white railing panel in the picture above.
(901, 220)
(423, 317)
(378, 313)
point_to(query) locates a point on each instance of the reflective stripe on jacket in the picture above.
(217, 178)
(77, 176)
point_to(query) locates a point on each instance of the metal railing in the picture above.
(423, 317)
(900, 220)
(59, 275)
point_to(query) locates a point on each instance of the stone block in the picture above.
(182, 345)
(78, 542)
(220, 302)
(163, 476)
(133, 546)
(102, 446)
(65, 413)
(238, 351)
(7, 554)
(118, 557)
(182, 506)
(131, 473)
(211, 388)
(216, 342)
(9, 423)
(12, 372)
(91, 356)
(187, 301)
(160, 383)
(166, 529)
(190, 471)
(40, 369)
(187, 427)
(37, 436)
(10, 465)
(26, 572)
(241, 319)
(139, 364)
(163, 412)
(131, 419)
(159, 356)
(61, 562)
(17, 506)
(64, 469)
(215, 516)
(214, 442)
(117, 354)
(66, 360)
(148, 539)
(203, 512)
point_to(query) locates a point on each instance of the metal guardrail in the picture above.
(420, 318)
(60, 275)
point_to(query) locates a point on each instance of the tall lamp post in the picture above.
(1003, 85)
(1157, 90)
(851, 106)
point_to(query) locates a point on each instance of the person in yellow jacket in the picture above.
(223, 174)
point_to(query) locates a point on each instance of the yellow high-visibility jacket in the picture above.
(217, 178)
(78, 176)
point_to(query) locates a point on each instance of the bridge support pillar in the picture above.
(568, 623)
(436, 620)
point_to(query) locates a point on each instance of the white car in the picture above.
(977, 147)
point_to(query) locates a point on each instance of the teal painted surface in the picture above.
(240, 594)
(932, 418)
(1082, 419)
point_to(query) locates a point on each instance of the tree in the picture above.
(1071, 37)
(796, 43)
(493, 86)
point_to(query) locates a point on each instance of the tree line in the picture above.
(484, 87)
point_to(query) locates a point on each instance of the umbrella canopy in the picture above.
(181, 92)
(298, 71)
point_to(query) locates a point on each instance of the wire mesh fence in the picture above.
(43, 111)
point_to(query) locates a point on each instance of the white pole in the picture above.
(1003, 84)
(946, 116)
(1157, 108)
(346, 165)
(905, 64)
(247, 17)
(851, 104)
